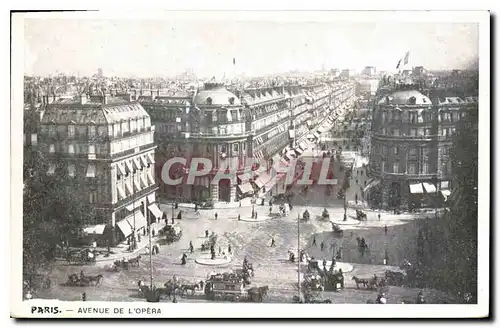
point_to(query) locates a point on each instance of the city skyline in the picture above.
(164, 48)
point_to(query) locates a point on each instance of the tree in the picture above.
(54, 211)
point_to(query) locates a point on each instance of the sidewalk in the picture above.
(121, 250)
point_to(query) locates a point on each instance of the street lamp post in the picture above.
(134, 239)
(298, 253)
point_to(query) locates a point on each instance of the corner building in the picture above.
(108, 142)
(410, 165)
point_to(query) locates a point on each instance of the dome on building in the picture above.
(405, 97)
(216, 94)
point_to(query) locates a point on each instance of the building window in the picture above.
(71, 131)
(395, 150)
(395, 167)
(413, 152)
(413, 117)
(382, 166)
(52, 149)
(384, 150)
(413, 132)
(425, 167)
(91, 149)
(71, 149)
(93, 197)
(71, 170)
(444, 167)
(52, 130)
(395, 132)
(427, 132)
(236, 147)
(91, 131)
(412, 168)
(209, 101)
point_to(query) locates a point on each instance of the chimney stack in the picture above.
(105, 99)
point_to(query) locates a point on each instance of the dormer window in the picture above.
(231, 100)
(209, 101)
(412, 100)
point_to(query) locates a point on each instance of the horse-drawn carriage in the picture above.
(125, 264)
(171, 232)
(227, 286)
(336, 228)
(360, 215)
(83, 280)
(81, 257)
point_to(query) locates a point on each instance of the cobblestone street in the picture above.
(253, 239)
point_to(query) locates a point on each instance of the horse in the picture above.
(360, 281)
(373, 283)
(95, 279)
(257, 294)
(191, 287)
(135, 261)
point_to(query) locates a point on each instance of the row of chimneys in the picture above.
(84, 98)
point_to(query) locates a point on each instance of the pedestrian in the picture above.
(379, 216)
(144, 231)
(356, 198)
(270, 209)
(314, 241)
(229, 248)
(206, 233)
(253, 213)
(322, 246)
(240, 203)
(385, 229)
(153, 233)
(196, 207)
(216, 215)
(84, 297)
(239, 217)
(191, 248)
(220, 250)
(139, 238)
(273, 243)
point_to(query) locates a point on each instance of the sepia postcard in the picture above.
(250, 164)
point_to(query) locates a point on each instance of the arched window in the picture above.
(209, 101)
(231, 100)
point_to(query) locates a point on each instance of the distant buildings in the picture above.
(411, 139)
(231, 126)
(108, 142)
(369, 71)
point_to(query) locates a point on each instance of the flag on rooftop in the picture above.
(407, 56)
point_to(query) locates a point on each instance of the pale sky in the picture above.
(150, 48)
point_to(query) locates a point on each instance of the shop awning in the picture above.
(129, 189)
(262, 180)
(157, 213)
(52, 169)
(299, 151)
(125, 227)
(144, 161)
(245, 187)
(121, 169)
(429, 187)
(128, 166)
(372, 183)
(303, 146)
(151, 158)
(121, 192)
(144, 181)
(95, 230)
(138, 220)
(137, 163)
(416, 188)
(445, 194)
(245, 177)
(151, 178)
(291, 134)
(136, 185)
(310, 136)
(290, 155)
(445, 185)
(91, 171)
(316, 135)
